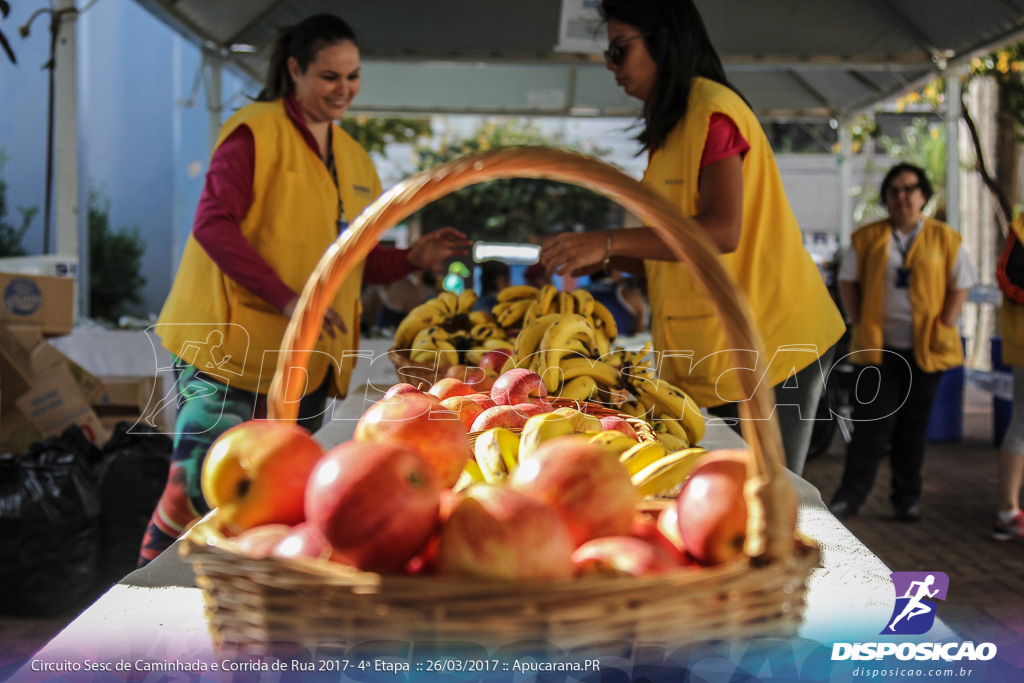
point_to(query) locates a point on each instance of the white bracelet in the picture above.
(608, 250)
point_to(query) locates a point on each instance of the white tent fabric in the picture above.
(792, 59)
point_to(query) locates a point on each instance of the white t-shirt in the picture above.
(897, 316)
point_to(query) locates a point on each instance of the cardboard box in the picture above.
(128, 399)
(39, 300)
(55, 402)
(26, 358)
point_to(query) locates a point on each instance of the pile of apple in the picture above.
(383, 502)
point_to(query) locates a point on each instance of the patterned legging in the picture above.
(207, 409)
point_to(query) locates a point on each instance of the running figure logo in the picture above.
(914, 614)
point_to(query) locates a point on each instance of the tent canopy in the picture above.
(792, 59)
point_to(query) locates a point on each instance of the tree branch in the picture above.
(1005, 208)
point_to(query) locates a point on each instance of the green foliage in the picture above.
(374, 134)
(1006, 67)
(11, 235)
(513, 210)
(115, 263)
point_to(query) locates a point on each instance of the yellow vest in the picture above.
(790, 304)
(291, 222)
(930, 259)
(1013, 317)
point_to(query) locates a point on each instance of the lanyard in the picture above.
(333, 168)
(899, 245)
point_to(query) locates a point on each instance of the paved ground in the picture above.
(986, 577)
(986, 596)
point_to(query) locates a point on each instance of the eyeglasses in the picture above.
(615, 54)
(908, 190)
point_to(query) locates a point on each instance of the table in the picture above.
(156, 614)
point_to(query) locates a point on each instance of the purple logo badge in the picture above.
(914, 613)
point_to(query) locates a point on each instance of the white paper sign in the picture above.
(578, 29)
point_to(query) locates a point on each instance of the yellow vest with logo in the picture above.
(931, 258)
(291, 222)
(791, 307)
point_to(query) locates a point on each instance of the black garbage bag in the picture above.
(132, 475)
(49, 526)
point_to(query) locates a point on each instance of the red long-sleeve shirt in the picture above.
(226, 198)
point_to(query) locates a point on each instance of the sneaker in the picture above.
(842, 509)
(908, 513)
(1009, 531)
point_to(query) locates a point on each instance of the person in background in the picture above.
(537, 276)
(903, 282)
(494, 277)
(708, 155)
(283, 182)
(624, 297)
(398, 298)
(1009, 524)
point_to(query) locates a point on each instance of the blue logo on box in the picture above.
(913, 614)
(22, 297)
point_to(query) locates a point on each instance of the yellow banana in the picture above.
(566, 303)
(466, 301)
(557, 342)
(532, 312)
(450, 301)
(584, 302)
(528, 340)
(663, 476)
(541, 428)
(447, 353)
(604, 318)
(579, 389)
(509, 364)
(511, 313)
(518, 292)
(602, 342)
(481, 317)
(482, 331)
(474, 355)
(634, 408)
(616, 442)
(603, 373)
(422, 316)
(677, 403)
(640, 455)
(434, 333)
(498, 344)
(670, 441)
(496, 451)
(547, 296)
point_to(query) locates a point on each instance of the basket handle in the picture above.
(770, 495)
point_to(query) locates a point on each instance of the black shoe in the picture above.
(842, 509)
(908, 513)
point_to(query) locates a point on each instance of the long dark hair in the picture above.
(302, 41)
(677, 41)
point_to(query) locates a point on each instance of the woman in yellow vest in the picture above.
(1009, 525)
(902, 282)
(709, 155)
(284, 181)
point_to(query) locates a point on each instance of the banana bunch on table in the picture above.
(676, 418)
(448, 331)
(520, 305)
(653, 468)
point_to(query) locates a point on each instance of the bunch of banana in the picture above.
(447, 330)
(662, 475)
(677, 420)
(520, 305)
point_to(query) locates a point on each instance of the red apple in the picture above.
(584, 482)
(614, 423)
(647, 528)
(484, 400)
(448, 387)
(375, 503)
(401, 388)
(617, 555)
(471, 375)
(255, 473)
(260, 540)
(497, 532)
(466, 407)
(304, 541)
(434, 432)
(668, 526)
(712, 510)
(519, 385)
(509, 417)
(494, 361)
(425, 561)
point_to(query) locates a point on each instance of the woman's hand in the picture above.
(333, 324)
(435, 247)
(574, 252)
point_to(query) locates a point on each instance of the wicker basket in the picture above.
(412, 372)
(253, 604)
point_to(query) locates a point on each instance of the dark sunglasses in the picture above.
(894, 191)
(615, 52)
